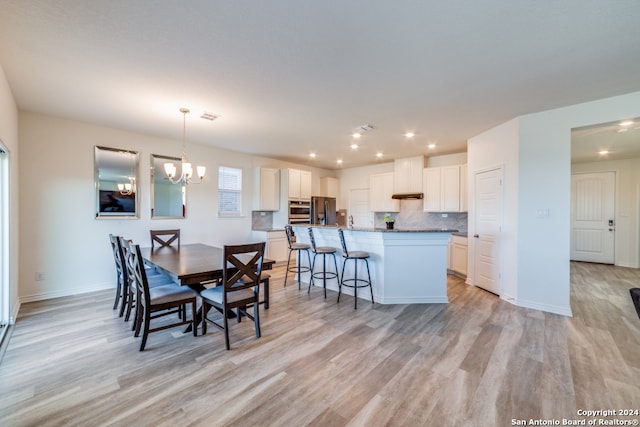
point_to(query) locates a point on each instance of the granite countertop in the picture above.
(268, 229)
(385, 230)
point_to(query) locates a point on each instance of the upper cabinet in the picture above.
(380, 192)
(408, 175)
(298, 184)
(329, 187)
(267, 185)
(445, 189)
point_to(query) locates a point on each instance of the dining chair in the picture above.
(121, 274)
(132, 290)
(159, 300)
(165, 237)
(241, 277)
(298, 248)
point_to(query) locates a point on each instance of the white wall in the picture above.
(544, 181)
(9, 137)
(60, 236)
(626, 205)
(497, 148)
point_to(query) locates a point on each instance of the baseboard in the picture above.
(563, 311)
(64, 293)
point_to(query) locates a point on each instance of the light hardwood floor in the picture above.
(476, 361)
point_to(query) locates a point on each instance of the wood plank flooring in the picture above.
(478, 361)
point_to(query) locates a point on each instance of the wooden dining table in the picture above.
(190, 264)
(194, 265)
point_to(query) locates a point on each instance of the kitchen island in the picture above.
(408, 266)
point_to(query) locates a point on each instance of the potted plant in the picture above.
(389, 220)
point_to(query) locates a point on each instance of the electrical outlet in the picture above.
(445, 215)
(39, 276)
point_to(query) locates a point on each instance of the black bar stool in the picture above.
(324, 274)
(298, 248)
(357, 283)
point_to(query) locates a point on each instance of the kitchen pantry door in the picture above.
(592, 217)
(488, 222)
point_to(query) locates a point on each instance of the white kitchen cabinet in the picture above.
(442, 189)
(298, 184)
(459, 254)
(276, 243)
(267, 189)
(464, 192)
(408, 175)
(329, 187)
(380, 191)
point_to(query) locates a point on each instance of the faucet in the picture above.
(350, 221)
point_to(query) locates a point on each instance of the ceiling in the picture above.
(606, 141)
(289, 78)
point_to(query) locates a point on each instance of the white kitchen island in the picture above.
(407, 266)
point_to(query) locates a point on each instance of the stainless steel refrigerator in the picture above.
(323, 210)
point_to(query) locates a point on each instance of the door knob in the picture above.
(476, 236)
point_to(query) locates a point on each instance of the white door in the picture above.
(359, 208)
(488, 220)
(592, 217)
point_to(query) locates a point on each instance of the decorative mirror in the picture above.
(167, 199)
(116, 176)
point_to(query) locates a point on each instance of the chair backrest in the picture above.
(129, 260)
(118, 256)
(289, 231)
(165, 237)
(242, 267)
(342, 242)
(135, 264)
(313, 240)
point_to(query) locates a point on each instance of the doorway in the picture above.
(593, 217)
(488, 221)
(4, 240)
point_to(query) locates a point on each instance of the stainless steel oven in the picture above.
(299, 212)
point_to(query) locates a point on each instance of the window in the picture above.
(229, 191)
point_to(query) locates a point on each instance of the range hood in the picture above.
(407, 196)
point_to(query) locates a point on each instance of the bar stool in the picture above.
(298, 248)
(324, 274)
(357, 282)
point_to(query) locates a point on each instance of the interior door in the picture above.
(592, 217)
(488, 222)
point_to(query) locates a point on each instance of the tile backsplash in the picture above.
(411, 215)
(261, 220)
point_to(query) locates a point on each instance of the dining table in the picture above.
(190, 264)
(194, 265)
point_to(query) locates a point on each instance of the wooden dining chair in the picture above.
(241, 277)
(133, 292)
(165, 237)
(159, 300)
(121, 274)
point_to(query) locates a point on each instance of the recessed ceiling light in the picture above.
(312, 155)
(409, 134)
(431, 146)
(354, 146)
(339, 161)
(356, 135)
(626, 123)
(378, 155)
(603, 152)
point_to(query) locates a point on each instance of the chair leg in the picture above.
(369, 276)
(204, 317)
(145, 333)
(125, 300)
(286, 272)
(313, 266)
(193, 318)
(266, 294)
(118, 294)
(355, 288)
(256, 319)
(344, 263)
(226, 328)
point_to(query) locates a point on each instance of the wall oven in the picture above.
(299, 212)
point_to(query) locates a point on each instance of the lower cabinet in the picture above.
(458, 255)
(276, 248)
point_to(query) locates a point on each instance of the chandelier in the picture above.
(187, 170)
(128, 188)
